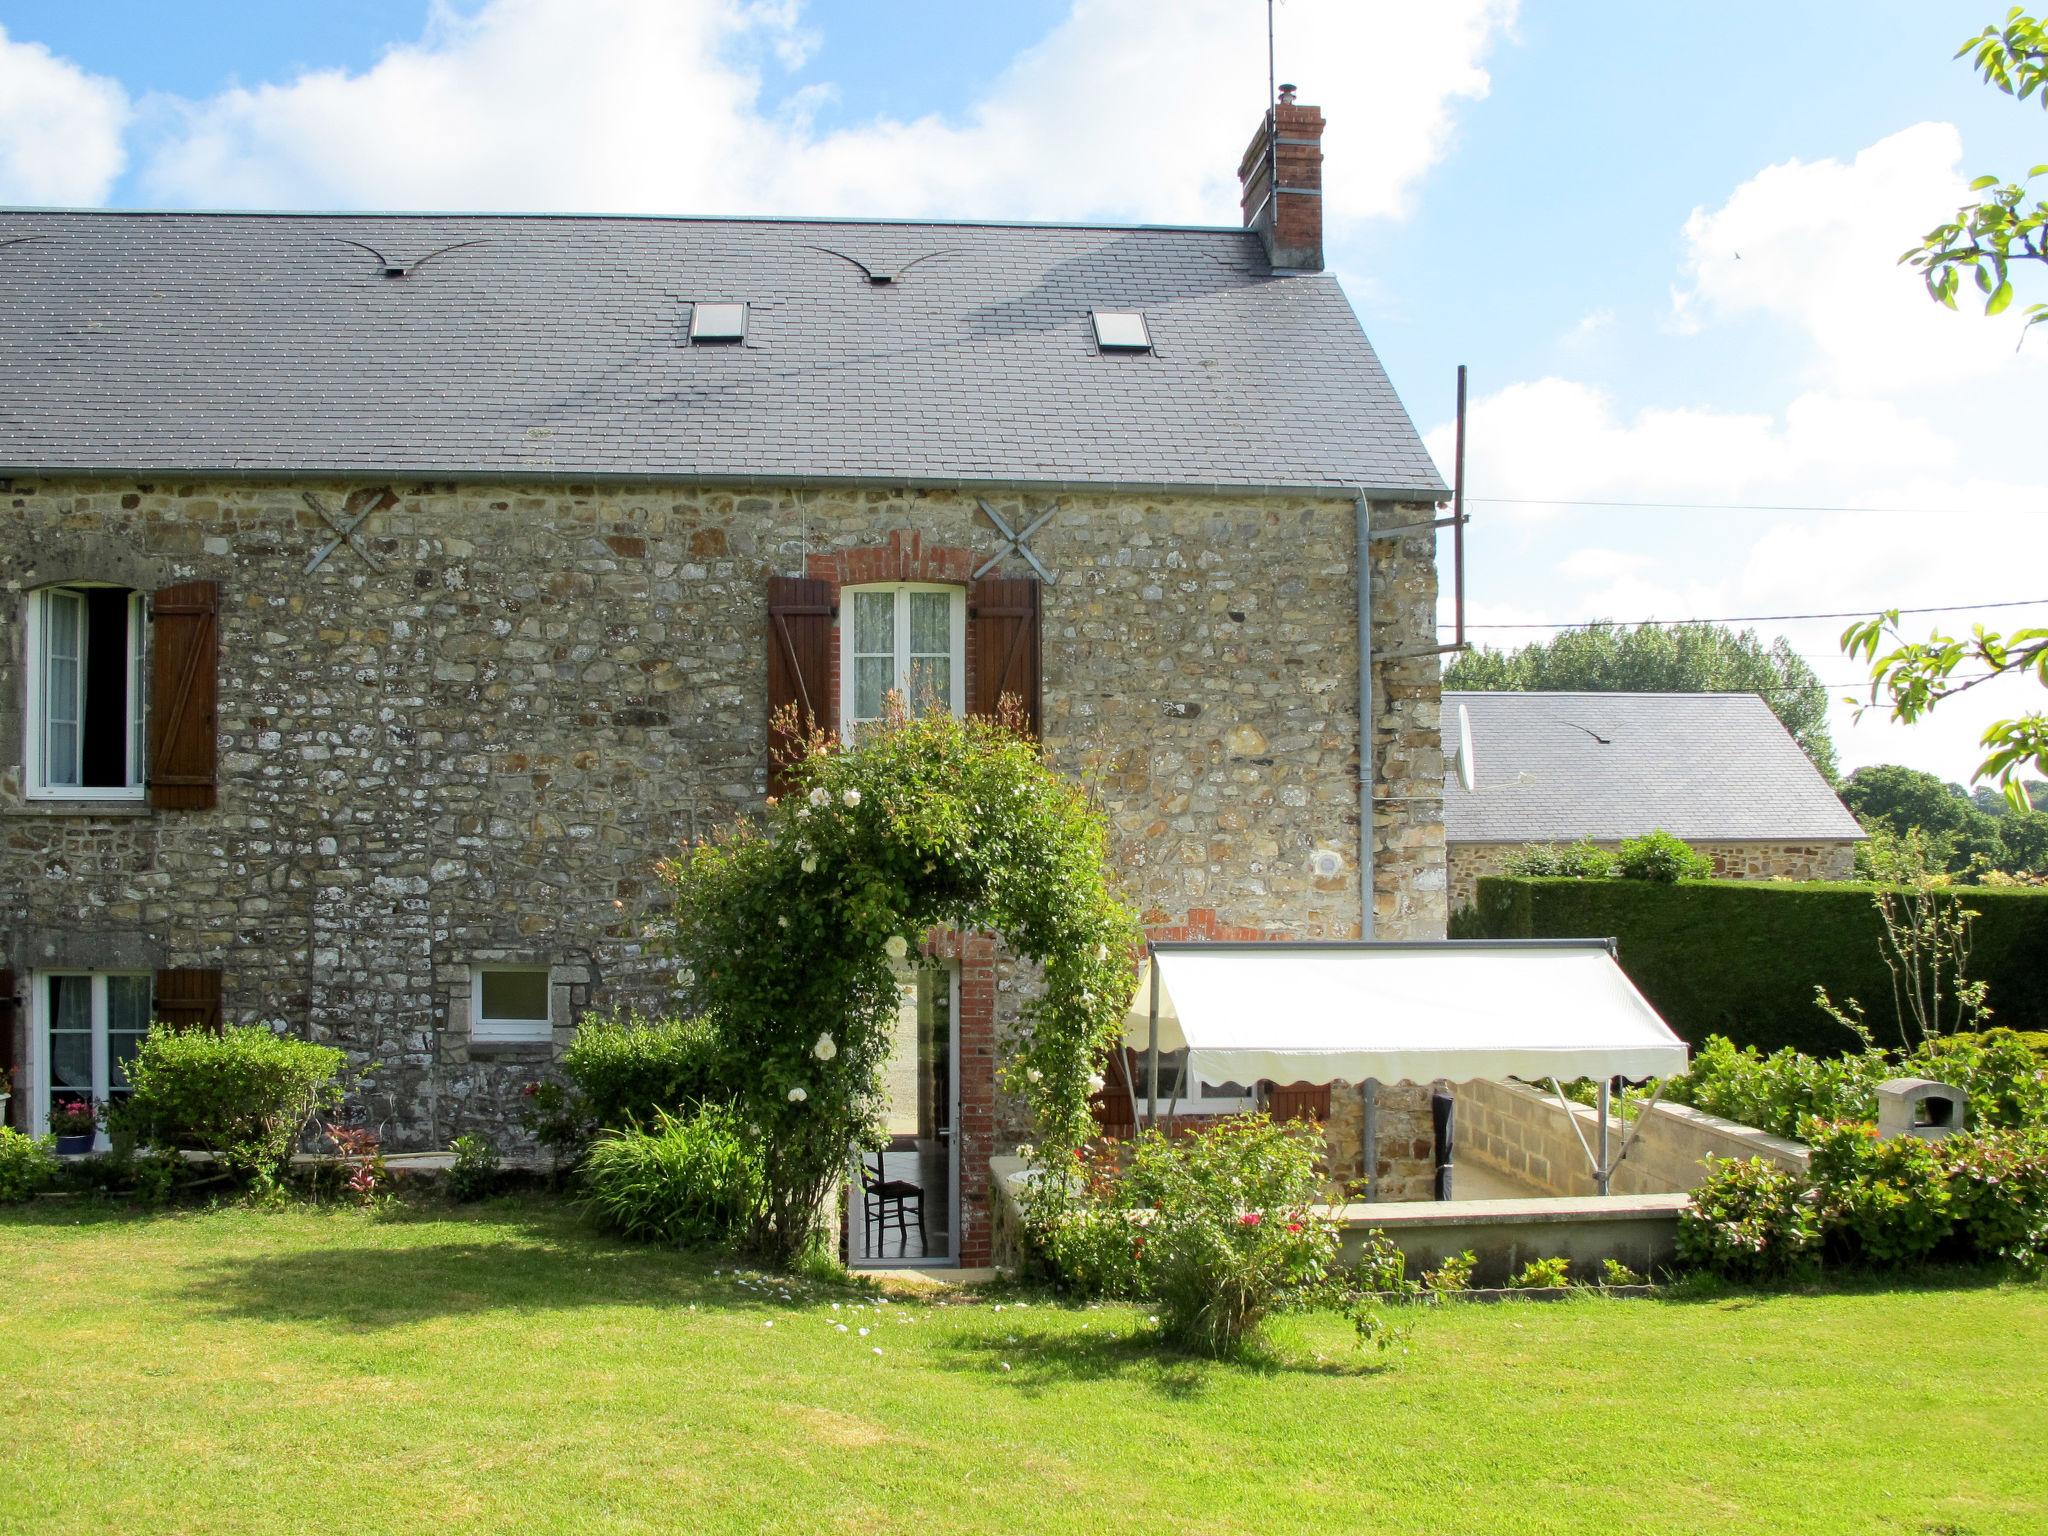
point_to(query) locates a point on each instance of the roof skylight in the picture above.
(718, 322)
(1121, 330)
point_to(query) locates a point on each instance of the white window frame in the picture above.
(509, 1031)
(1192, 1102)
(956, 633)
(35, 742)
(102, 1051)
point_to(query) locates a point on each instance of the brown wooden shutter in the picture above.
(1004, 614)
(184, 696)
(11, 1055)
(799, 665)
(188, 999)
(1300, 1101)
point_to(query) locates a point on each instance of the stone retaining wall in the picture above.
(1524, 1133)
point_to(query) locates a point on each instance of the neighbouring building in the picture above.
(381, 596)
(1717, 769)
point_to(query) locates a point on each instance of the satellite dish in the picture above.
(1461, 760)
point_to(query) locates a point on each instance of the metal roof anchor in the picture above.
(1015, 543)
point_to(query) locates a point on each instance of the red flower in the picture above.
(1294, 1226)
(1248, 1219)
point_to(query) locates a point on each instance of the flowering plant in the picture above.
(789, 931)
(75, 1116)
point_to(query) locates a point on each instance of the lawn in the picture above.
(501, 1369)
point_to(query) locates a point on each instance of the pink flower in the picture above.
(1294, 1226)
(1248, 1219)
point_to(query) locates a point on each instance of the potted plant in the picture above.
(74, 1121)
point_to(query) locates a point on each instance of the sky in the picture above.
(1663, 238)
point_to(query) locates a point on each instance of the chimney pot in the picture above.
(1281, 175)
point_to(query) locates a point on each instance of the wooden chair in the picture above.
(881, 1198)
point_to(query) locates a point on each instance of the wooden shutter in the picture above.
(799, 665)
(184, 696)
(1300, 1101)
(1003, 613)
(188, 999)
(11, 1054)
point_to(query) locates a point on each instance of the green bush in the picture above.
(626, 1068)
(2005, 1077)
(1231, 1231)
(475, 1172)
(242, 1093)
(1583, 860)
(1741, 958)
(690, 1181)
(27, 1166)
(1998, 1194)
(1661, 859)
(1881, 1203)
(1751, 1221)
(1543, 1275)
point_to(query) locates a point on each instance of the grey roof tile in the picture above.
(1556, 767)
(268, 342)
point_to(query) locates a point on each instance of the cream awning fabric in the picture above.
(1402, 1012)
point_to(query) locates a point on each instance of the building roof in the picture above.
(1707, 767)
(538, 346)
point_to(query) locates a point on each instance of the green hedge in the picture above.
(1741, 957)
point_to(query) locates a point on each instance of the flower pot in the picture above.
(74, 1146)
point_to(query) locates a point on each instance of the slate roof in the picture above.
(1711, 767)
(554, 346)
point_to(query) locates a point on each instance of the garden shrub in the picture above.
(686, 1181)
(1454, 1274)
(475, 1172)
(2005, 1077)
(1543, 1275)
(1778, 1092)
(1231, 1232)
(1998, 1194)
(1741, 958)
(1661, 859)
(242, 1093)
(1751, 1221)
(1092, 1243)
(627, 1067)
(1583, 860)
(27, 1166)
(1882, 1203)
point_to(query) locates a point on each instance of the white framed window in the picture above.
(511, 1003)
(85, 694)
(85, 1028)
(906, 637)
(1195, 1096)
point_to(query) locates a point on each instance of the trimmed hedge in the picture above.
(1741, 957)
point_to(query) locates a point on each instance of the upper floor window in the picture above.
(907, 638)
(85, 693)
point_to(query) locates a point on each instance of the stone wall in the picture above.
(1523, 1132)
(470, 732)
(1732, 861)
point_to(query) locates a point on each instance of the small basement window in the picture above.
(511, 1003)
(1121, 330)
(718, 322)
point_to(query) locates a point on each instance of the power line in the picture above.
(1740, 506)
(1748, 618)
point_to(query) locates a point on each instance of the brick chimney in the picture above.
(1290, 224)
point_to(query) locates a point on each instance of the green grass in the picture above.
(500, 1369)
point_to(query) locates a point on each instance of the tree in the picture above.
(1961, 833)
(1987, 237)
(2003, 226)
(1651, 658)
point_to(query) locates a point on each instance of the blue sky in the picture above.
(1661, 236)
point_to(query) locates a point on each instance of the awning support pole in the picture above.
(1369, 1137)
(1152, 1055)
(1606, 1170)
(1603, 1169)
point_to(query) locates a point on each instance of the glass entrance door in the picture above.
(902, 1206)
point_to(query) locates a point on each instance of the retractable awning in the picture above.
(1402, 1012)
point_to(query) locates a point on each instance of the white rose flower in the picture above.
(851, 798)
(820, 798)
(1095, 1082)
(782, 921)
(1101, 953)
(810, 864)
(803, 813)
(1035, 1075)
(825, 1049)
(797, 1095)
(896, 946)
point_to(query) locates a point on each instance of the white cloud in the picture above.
(1814, 247)
(657, 106)
(60, 128)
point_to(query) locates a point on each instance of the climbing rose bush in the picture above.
(788, 930)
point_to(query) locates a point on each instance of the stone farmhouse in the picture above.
(1717, 769)
(382, 596)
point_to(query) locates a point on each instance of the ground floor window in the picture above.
(511, 1003)
(89, 1025)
